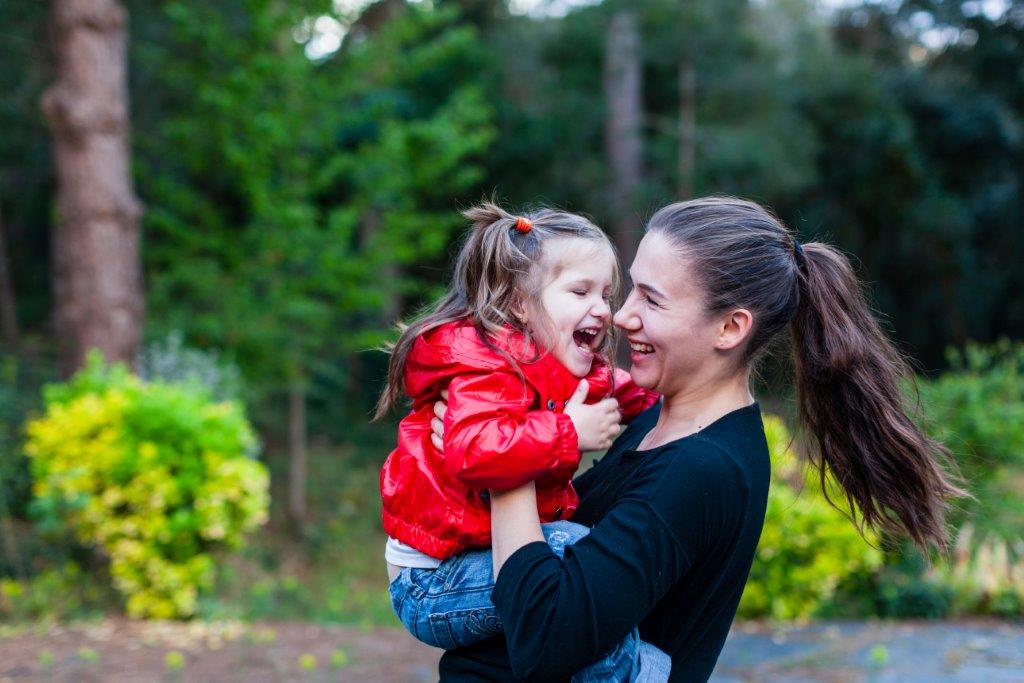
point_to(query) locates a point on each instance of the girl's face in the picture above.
(671, 336)
(574, 300)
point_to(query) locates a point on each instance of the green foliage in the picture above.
(977, 410)
(56, 593)
(155, 475)
(170, 360)
(985, 577)
(335, 575)
(299, 192)
(807, 548)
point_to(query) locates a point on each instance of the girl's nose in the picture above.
(601, 310)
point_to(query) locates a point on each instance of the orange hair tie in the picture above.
(523, 225)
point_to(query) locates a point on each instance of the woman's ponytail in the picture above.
(848, 374)
(852, 405)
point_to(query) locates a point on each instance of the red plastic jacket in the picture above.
(499, 433)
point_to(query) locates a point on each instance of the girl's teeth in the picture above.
(641, 348)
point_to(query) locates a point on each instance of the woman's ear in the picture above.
(735, 326)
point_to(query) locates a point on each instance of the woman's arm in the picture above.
(562, 615)
(514, 522)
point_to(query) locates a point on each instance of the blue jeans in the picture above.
(451, 607)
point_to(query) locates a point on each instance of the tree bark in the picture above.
(8, 309)
(623, 141)
(97, 272)
(687, 126)
(298, 452)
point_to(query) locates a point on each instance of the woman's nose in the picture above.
(625, 318)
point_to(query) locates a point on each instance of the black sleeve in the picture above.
(562, 615)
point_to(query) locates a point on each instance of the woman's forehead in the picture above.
(653, 257)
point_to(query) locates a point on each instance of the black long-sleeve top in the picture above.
(674, 533)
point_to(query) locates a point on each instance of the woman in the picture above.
(678, 503)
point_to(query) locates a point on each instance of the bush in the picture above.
(977, 410)
(63, 592)
(808, 548)
(983, 578)
(156, 475)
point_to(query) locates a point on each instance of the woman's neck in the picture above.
(690, 411)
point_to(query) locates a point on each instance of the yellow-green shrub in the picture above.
(807, 547)
(155, 475)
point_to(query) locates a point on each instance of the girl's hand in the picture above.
(437, 422)
(596, 425)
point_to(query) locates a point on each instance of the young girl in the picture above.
(527, 318)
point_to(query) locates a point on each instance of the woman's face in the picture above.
(671, 336)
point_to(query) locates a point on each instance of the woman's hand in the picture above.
(597, 424)
(437, 422)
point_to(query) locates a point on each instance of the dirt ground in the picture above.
(119, 650)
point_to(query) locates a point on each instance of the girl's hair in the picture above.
(496, 278)
(848, 374)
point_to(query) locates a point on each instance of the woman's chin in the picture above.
(643, 376)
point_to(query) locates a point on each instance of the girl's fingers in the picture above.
(580, 395)
(440, 408)
(438, 427)
(438, 443)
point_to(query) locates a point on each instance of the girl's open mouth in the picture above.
(588, 338)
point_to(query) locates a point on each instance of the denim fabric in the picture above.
(450, 607)
(655, 665)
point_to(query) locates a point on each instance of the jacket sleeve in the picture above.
(632, 399)
(493, 440)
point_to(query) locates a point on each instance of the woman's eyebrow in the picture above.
(648, 289)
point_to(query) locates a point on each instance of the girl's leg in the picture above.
(451, 606)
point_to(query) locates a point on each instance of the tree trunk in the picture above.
(298, 453)
(687, 126)
(8, 310)
(97, 274)
(623, 141)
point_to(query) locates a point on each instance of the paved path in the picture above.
(911, 652)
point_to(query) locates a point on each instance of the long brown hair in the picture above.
(848, 374)
(496, 277)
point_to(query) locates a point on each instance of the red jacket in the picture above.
(499, 433)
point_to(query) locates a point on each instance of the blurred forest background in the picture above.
(280, 181)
